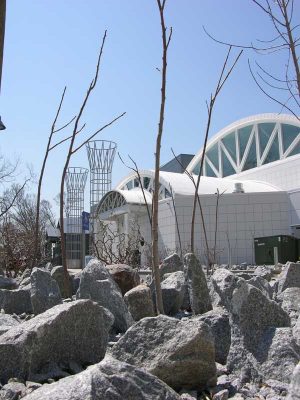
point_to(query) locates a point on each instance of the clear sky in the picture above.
(53, 43)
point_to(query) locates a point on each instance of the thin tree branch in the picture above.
(98, 131)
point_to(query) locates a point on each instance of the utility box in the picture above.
(272, 249)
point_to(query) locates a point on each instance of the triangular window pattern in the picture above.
(296, 150)
(146, 182)
(129, 185)
(213, 156)
(243, 137)
(229, 143)
(289, 133)
(196, 170)
(273, 154)
(251, 161)
(264, 133)
(209, 170)
(226, 165)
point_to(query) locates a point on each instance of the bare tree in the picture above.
(17, 228)
(9, 198)
(286, 39)
(72, 150)
(210, 106)
(113, 247)
(49, 147)
(155, 257)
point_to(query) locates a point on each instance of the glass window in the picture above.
(264, 133)
(289, 133)
(136, 182)
(227, 167)
(167, 193)
(146, 182)
(229, 143)
(213, 156)
(209, 170)
(196, 170)
(129, 185)
(273, 154)
(251, 161)
(296, 150)
(243, 136)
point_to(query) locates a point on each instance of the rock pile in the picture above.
(235, 334)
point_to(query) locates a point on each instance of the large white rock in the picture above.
(197, 285)
(97, 284)
(181, 353)
(254, 312)
(15, 301)
(289, 277)
(173, 289)
(7, 322)
(139, 302)
(44, 291)
(76, 331)
(108, 380)
(294, 389)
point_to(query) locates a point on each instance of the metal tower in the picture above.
(101, 154)
(75, 180)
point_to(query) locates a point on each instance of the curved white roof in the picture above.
(182, 184)
(252, 120)
(135, 196)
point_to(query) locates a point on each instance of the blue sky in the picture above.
(53, 43)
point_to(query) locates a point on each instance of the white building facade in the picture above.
(254, 165)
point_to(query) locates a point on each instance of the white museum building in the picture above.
(254, 165)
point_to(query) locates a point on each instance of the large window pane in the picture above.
(209, 170)
(264, 133)
(243, 136)
(213, 155)
(227, 167)
(273, 154)
(129, 185)
(229, 143)
(289, 133)
(196, 170)
(295, 151)
(146, 182)
(251, 161)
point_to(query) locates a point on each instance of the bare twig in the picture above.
(137, 172)
(213, 97)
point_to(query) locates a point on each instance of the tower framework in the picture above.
(76, 178)
(101, 154)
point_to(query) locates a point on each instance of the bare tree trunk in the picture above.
(2, 34)
(155, 257)
(176, 221)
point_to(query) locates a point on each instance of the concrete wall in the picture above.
(241, 217)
